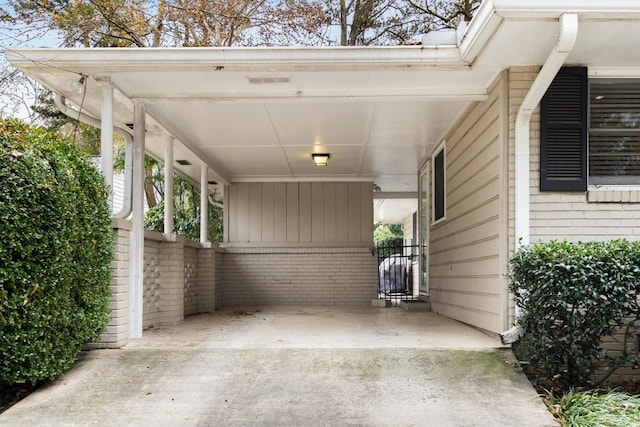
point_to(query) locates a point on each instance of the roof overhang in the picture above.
(257, 114)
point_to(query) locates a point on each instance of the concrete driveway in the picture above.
(294, 366)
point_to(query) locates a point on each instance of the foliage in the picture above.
(86, 137)
(574, 295)
(186, 214)
(388, 240)
(387, 233)
(587, 409)
(154, 23)
(56, 246)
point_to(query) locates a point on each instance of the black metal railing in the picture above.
(395, 271)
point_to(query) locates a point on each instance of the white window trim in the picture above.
(441, 147)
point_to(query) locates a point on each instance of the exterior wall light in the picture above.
(78, 86)
(321, 159)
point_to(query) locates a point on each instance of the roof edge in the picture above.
(140, 59)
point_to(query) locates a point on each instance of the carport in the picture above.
(452, 121)
(244, 124)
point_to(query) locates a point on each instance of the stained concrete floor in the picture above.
(294, 366)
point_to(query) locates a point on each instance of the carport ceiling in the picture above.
(262, 122)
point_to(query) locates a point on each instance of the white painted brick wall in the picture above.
(117, 330)
(190, 281)
(314, 276)
(596, 215)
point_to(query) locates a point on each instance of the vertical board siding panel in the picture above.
(317, 212)
(366, 202)
(342, 212)
(232, 209)
(267, 213)
(354, 211)
(293, 225)
(304, 204)
(255, 212)
(330, 212)
(280, 212)
(243, 212)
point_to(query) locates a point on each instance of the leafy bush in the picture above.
(56, 245)
(186, 221)
(573, 296)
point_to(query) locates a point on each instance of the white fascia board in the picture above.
(629, 9)
(109, 60)
(492, 13)
(428, 94)
(482, 27)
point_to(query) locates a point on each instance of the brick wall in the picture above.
(598, 214)
(151, 283)
(298, 276)
(179, 279)
(190, 280)
(117, 331)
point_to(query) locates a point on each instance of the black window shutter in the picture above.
(438, 186)
(563, 132)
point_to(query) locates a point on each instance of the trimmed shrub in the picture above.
(56, 246)
(574, 295)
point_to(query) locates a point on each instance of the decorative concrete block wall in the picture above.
(298, 276)
(151, 286)
(179, 279)
(174, 286)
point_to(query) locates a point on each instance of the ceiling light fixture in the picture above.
(321, 159)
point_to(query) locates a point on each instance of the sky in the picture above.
(15, 99)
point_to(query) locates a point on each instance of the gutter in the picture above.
(61, 103)
(101, 60)
(555, 60)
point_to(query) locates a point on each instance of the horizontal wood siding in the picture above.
(466, 263)
(317, 213)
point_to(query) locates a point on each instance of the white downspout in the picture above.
(106, 136)
(204, 203)
(555, 60)
(61, 103)
(168, 186)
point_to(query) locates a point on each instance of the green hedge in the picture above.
(56, 246)
(573, 296)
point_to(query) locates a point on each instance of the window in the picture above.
(607, 152)
(438, 185)
(614, 132)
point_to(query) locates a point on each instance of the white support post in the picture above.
(204, 204)
(106, 137)
(136, 270)
(168, 185)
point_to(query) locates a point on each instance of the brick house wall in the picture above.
(298, 276)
